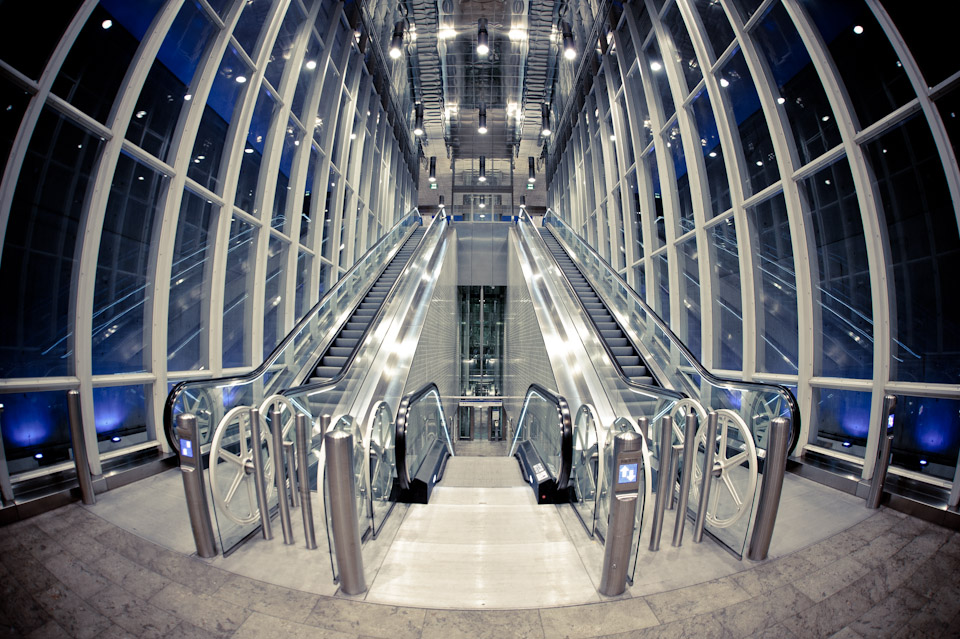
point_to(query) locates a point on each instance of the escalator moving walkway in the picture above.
(337, 355)
(624, 352)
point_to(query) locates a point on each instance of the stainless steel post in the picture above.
(689, 462)
(707, 480)
(280, 477)
(343, 509)
(324, 426)
(302, 424)
(291, 457)
(627, 469)
(6, 488)
(674, 467)
(664, 481)
(191, 469)
(778, 437)
(883, 452)
(80, 448)
(643, 425)
(258, 479)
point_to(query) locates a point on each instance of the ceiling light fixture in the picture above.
(482, 128)
(418, 120)
(569, 46)
(545, 120)
(532, 177)
(311, 65)
(106, 24)
(397, 41)
(483, 169)
(433, 169)
(483, 38)
(655, 66)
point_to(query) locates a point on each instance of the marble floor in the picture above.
(74, 572)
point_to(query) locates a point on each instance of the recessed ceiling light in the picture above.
(106, 24)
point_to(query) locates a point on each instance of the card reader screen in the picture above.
(186, 448)
(627, 474)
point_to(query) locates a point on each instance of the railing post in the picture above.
(343, 509)
(624, 490)
(302, 424)
(6, 488)
(689, 462)
(259, 481)
(280, 477)
(707, 481)
(664, 481)
(883, 452)
(191, 470)
(80, 448)
(770, 489)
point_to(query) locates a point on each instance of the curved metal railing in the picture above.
(295, 355)
(552, 439)
(672, 361)
(412, 447)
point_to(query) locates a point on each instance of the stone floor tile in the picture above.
(482, 624)
(696, 600)
(132, 613)
(83, 546)
(72, 613)
(259, 625)
(881, 549)
(20, 613)
(773, 574)
(699, 627)
(267, 598)
(212, 615)
(116, 632)
(76, 575)
(27, 571)
(41, 545)
(846, 633)
(49, 630)
(131, 576)
(889, 615)
(754, 615)
(829, 615)
(597, 619)
(374, 620)
(778, 631)
(830, 579)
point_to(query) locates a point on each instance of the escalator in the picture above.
(624, 353)
(342, 348)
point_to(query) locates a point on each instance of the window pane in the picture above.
(690, 290)
(747, 7)
(252, 20)
(239, 279)
(674, 144)
(283, 45)
(291, 142)
(926, 435)
(661, 270)
(776, 290)
(217, 115)
(253, 152)
(659, 74)
(12, 108)
(842, 419)
(716, 25)
(273, 294)
(719, 186)
(92, 75)
(310, 72)
(808, 112)
(758, 153)
(924, 253)
(30, 55)
(36, 430)
(639, 110)
(304, 264)
(844, 294)
(634, 201)
(186, 325)
(727, 313)
(685, 56)
(169, 80)
(120, 413)
(307, 211)
(875, 79)
(38, 252)
(122, 287)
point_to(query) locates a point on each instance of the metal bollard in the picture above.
(291, 457)
(302, 424)
(343, 509)
(707, 480)
(324, 425)
(883, 453)
(6, 488)
(280, 477)
(258, 479)
(664, 480)
(674, 468)
(689, 462)
(643, 425)
(628, 469)
(770, 489)
(80, 448)
(191, 469)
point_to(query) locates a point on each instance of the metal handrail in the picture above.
(400, 436)
(640, 388)
(566, 430)
(373, 321)
(275, 354)
(714, 380)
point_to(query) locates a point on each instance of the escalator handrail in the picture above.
(275, 354)
(400, 426)
(566, 431)
(375, 319)
(646, 389)
(714, 380)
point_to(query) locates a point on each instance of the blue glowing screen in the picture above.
(186, 448)
(627, 474)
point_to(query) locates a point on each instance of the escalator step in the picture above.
(608, 327)
(346, 342)
(618, 351)
(616, 341)
(634, 371)
(364, 312)
(341, 351)
(644, 379)
(357, 325)
(334, 362)
(626, 360)
(351, 334)
(326, 371)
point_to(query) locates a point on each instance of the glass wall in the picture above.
(802, 160)
(171, 216)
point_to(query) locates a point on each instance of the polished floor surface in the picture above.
(74, 572)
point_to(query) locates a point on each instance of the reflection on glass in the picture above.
(187, 323)
(241, 254)
(716, 25)
(253, 151)
(655, 63)
(719, 186)
(283, 45)
(252, 20)
(926, 435)
(690, 291)
(273, 303)
(120, 414)
(36, 430)
(727, 313)
(842, 419)
(685, 56)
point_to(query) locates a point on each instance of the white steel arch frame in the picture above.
(345, 68)
(644, 250)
